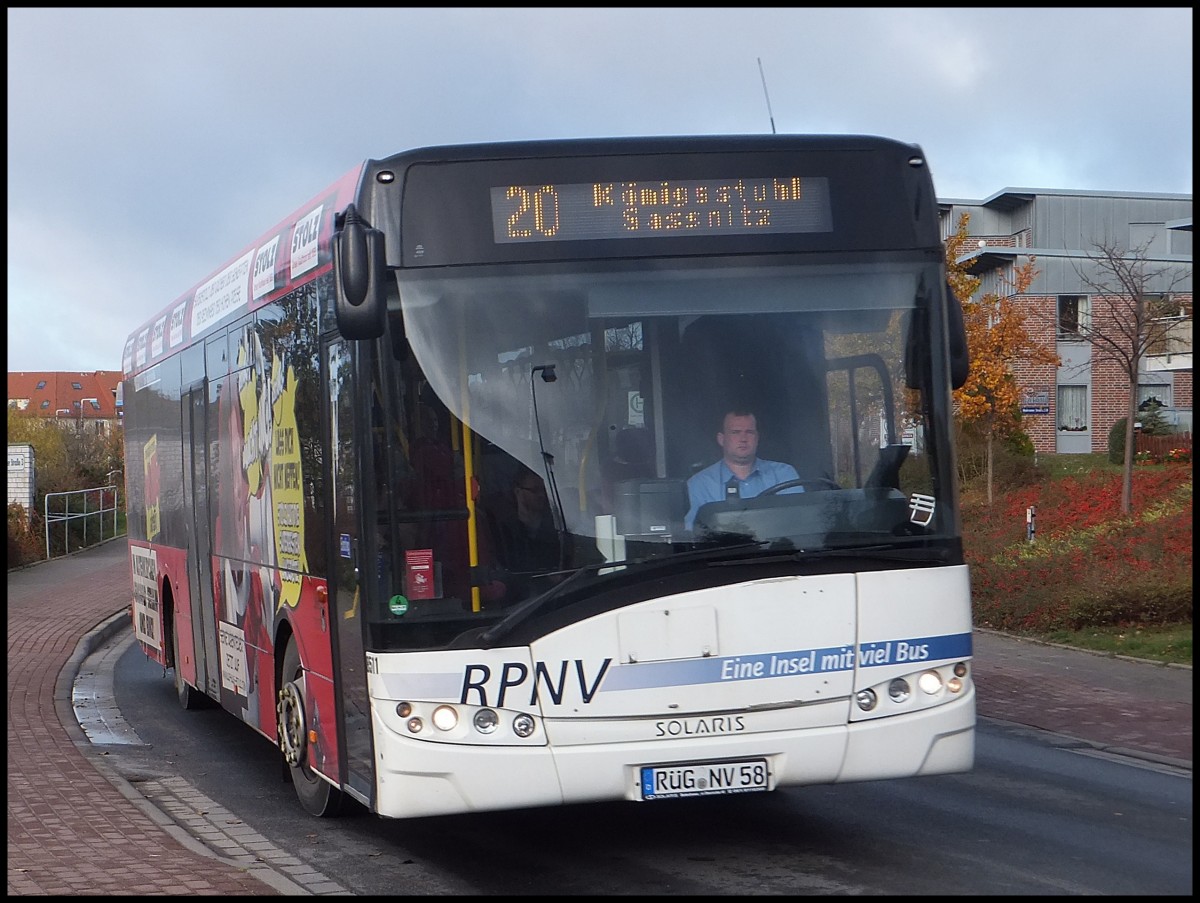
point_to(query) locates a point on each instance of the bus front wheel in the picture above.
(317, 796)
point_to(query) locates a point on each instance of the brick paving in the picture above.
(74, 827)
(71, 830)
(1123, 705)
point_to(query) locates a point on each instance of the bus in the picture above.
(409, 477)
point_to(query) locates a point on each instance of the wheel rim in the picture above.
(289, 712)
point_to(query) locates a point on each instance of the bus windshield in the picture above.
(594, 396)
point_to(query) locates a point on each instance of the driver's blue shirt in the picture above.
(708, 485)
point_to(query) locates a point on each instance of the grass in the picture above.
(1093, 579)
(1160, 644)
(1055, 467)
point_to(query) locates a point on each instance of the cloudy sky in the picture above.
(147, 147)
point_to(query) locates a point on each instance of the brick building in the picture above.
(1069, 409)
(84, 401)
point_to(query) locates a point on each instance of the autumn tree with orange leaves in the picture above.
(996, 341)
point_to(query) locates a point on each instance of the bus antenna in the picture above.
(766, 95)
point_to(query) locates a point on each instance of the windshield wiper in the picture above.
(886, 552)
(523, 612)
(740, 553)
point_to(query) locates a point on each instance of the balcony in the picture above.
(1174, 350)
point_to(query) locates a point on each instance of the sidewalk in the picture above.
(76, 827)
(1123, 706)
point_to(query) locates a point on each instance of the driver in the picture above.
(740, 473)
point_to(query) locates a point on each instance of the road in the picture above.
(1040, 814)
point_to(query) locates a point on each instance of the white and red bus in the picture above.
(408, 476)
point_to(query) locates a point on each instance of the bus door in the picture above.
(195, 476)
(344, 504)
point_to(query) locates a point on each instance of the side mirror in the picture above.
(360, 277)
(916, 353)
(960, 359)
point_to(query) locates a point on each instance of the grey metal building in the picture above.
(1070, 409)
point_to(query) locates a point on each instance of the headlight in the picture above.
(898, 689)
(486, 721)
(866, 699)
(930, 682)
(523, 725)
(445, 718)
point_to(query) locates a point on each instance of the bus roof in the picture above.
(676, 144)
(294, 251)
(297, 249)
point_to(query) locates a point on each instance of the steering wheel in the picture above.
(813, 484)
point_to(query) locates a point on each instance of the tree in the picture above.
(49, 443)
(1133, 311)
(963, 283)
(996, 341)
(65, 458)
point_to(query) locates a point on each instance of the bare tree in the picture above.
(1134, 309)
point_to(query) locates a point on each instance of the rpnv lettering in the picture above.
(481, 684)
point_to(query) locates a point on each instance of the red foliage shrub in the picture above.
(1088, 565)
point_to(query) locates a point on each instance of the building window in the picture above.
(1151, 394)
(45, 404)
(1156, 401)
(76, 386)
(1072, 316)
(1072, 409)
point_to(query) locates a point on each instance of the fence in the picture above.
(91, 507)
(1158, 446)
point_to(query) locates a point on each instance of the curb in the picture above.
(1097, 746)
(63, 689)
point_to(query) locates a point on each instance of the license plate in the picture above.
(661, 782)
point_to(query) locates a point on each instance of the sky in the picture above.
(147, 147)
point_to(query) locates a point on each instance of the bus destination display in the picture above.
(660, 209)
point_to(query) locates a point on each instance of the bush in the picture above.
(1012, 470)
(1013, 466)
(1116, 441)
(1019, 444)
(1145, 600)
(1152, 424)
(1013, 459)
(1089, 566)
(1152, 421)
(26, 539)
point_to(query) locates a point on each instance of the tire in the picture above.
(189, 697)
(317, 795)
